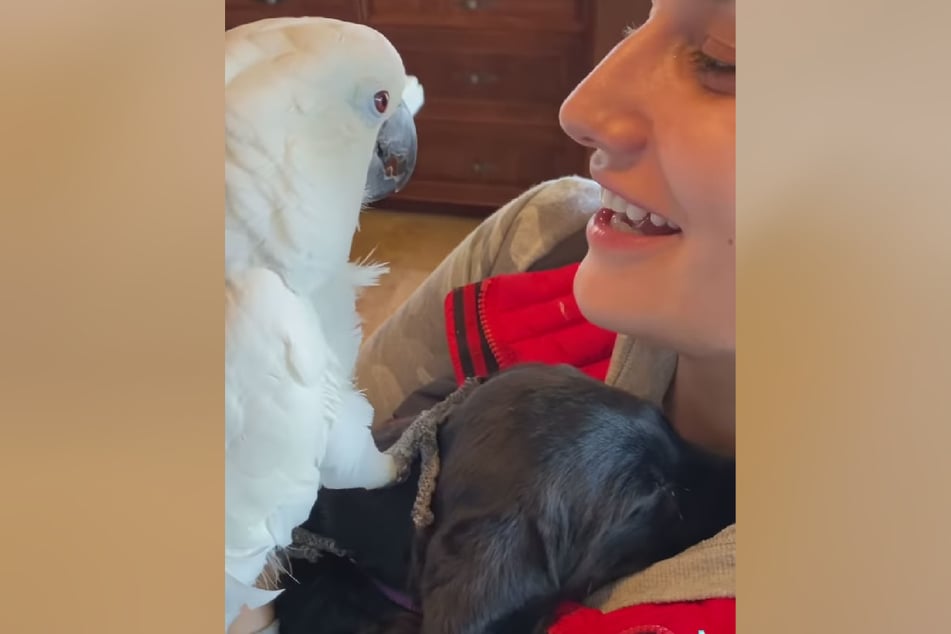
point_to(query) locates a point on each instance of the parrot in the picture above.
(316, 127)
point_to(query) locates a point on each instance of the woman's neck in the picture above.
(702, 402)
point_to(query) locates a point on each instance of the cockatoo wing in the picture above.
(280, 401)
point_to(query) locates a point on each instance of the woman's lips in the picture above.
(613, 231)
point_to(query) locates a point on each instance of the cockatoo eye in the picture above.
(381, 100)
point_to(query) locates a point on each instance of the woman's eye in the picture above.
(381, 100)
(704, 62)
(714, 74)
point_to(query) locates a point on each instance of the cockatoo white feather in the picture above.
(302, 119)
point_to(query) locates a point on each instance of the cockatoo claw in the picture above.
(402, 456)
(403, 468)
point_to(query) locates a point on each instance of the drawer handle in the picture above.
(478, 79)
(473, 5)
(271, 2)
(482, 168)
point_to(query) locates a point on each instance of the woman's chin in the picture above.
(609, 300)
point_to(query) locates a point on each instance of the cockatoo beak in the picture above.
(394, 158)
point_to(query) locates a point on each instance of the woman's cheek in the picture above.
(700, 163)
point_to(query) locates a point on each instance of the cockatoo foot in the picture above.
(403, 469)
(421, 439)
(352, 459)
(371, 469)
(382, 471)
(404, 452)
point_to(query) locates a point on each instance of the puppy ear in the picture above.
(479, 574)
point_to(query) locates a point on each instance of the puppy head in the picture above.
(600, 480)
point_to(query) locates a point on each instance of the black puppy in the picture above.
(552, 485)
(335, 595)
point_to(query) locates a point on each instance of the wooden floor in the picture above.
(413, 245)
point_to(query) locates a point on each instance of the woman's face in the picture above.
(659, 111)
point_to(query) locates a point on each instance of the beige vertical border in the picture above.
(110, 338)
(844, 151)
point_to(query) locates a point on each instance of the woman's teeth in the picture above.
(618, 224)
(637, 217)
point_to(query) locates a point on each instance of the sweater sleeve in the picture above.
(712, 616)
(516, 318)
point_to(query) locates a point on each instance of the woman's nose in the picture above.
(605, 112)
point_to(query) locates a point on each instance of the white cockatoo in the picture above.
(316, 127)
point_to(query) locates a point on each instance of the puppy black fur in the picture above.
(552, 485)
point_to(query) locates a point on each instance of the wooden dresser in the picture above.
(494, 73)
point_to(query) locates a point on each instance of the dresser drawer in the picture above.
(244, 11)
(479, 66)
(491, 77)
(540, 13)
(492, 154)
(565, 15)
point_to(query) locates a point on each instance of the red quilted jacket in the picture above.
(533, 317)
(510, 319)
